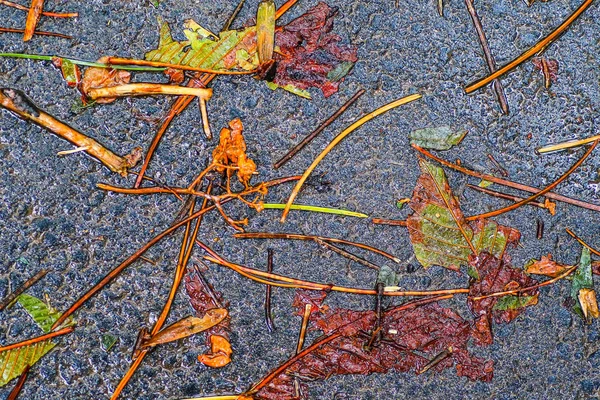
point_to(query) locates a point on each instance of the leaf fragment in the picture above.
(231, 152)
(108, 341)
(187, 327)
(41, 313)
(387, 276)
(512, 302)
(582, 279)
(265, 30)
(589, 304)
(220, 353)
(14, 362)
(545, 266)
(440, 138)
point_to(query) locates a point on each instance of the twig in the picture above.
(268, 316)
(302, 334)
(117, 270)
(145, 89)
(131, 61)
(489, 58)
(505, 182)
(44, 13)
(551, 207)
(541, 192)
(394, 222)
(41, 33)
(17, 389)
(536, 49)
(539, 232)
(233, 15)
(437, 359)
(295, 236)
(28, 283)
(566, 145)
(338, 139)
(207, 287)
(580, 240)
(527, 289)
(33, 16)
(37, 339)
(317, 131)
(502, 170)
(347, 254)
(16, 101)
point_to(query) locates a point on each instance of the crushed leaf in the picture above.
(231, 152)
(96, 78)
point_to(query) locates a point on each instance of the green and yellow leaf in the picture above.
(13, 362)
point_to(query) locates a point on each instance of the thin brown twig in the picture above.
(505, 182)
(294, 150)
(295, 236)
(117, 270)
(37, 339)
(548, 205)
(543, 191)
(536, 49)
(393, 222)
(500, 168)
(348, 254)
(41, 33)
(44, 13)
(28, 283)
(527, 289)
(580, 240)
(233, 16)
(489, 58)
(268, 290)
(17, 389)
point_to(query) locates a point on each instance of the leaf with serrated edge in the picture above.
(13, 362)
(43, 315)
(434, 227)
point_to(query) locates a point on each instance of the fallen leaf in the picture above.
(108, 341)
(14, 362)
(422, 333)
(187, 326)
(545, 266)
(96, 78)
(589, 304)
(497, 276)
(309, 55)
(582, 279)
(435, 226)
(43, 315)
(220, 353)
(440, 138)
(70, 72)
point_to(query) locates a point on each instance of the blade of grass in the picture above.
(326, 210)
(79, 62)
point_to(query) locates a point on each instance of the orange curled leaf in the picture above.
(231, 152)
(187, 327)
(96, 78)
(220, 353)
(545, 266)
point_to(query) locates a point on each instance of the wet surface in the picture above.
(52, 216)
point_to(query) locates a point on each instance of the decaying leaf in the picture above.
(440, 138)
(14, 362)
(108, 341)
(589, 304)
(204, 298)
(387, 276)
(545, 266)
(43, 315)
(96, 78)
(231, 152)
(496, 275)
(435, 226)
(582, 279)
(69, 71)
(421, 333)
(309, 55)
(187, 327)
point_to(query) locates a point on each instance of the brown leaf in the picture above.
(588, 302)
(310, 55)
(421, 333)
(96, 78)
(545, 266)
(220, 353)
(231, 152)
(494, 276)
(187, 327)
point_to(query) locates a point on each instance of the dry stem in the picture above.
(33, 16)
(146, 89)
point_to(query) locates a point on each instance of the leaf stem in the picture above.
(145, 89)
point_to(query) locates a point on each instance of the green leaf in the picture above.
(472, 272)
(13, 362)
(582, 279)
(387, 276)
(434, 227)
(340, 71)
(484, 183)
(290, 88)
(511, 302)
(43, 315)
(108, 341)
(440, 138)
(265, 30)
(202, 52)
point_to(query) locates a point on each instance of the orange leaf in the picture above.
(220, 353)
